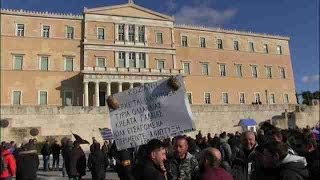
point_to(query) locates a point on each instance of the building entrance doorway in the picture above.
(102, 98)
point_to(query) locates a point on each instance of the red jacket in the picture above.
(216, 174)
(11, 164)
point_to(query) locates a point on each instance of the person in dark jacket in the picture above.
(45, 151)
(27, 163)
(210, 162)
(152, 167)
(77, 162)
(55, 150)
(66, 154)
(243, 160)
(97, 162)
(291, 167)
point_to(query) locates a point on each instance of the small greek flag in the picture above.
(106, 133)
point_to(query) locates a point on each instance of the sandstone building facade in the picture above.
(79, 60)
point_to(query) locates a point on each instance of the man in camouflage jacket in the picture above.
(183, 166)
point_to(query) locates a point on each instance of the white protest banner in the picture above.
(152, 111)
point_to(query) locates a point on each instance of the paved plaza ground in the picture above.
(57, 175)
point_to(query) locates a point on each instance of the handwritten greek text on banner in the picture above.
(150, 111)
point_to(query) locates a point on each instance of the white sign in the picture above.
(152, 111)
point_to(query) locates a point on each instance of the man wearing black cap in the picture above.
(152, 166)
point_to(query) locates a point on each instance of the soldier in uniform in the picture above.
(183, 166)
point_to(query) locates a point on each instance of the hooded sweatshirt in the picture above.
(293, 167)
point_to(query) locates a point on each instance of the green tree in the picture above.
(307, 96)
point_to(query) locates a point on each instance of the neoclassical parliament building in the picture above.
(78, 60)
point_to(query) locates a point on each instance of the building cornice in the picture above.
(236, 32)
(46, 14)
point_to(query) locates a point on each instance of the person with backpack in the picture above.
(8, 163)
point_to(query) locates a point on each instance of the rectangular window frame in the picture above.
(222, 73)
(43, 35)
(236, 45)
(203, 42)
(252, 72)
(207, 100)
(284, 74)
(272, 100)
(101, 36)
(219, 43)
(132, 58)
(251, 46)
(255, 97)
(104, 61)
(12, 97)
(239, 74)
(47, 98)
(159, 37)
(142, 57)
(122, 56)
(141, 34)
(65, 63)
(244, 98)
(14, 62)
(164, 63)
(121, 32)
(203, 64)
(20, 33)
(70, 35)
(131, 32)
(286, 100)
(189, 71)
(227, 98)
(40, 63)
(269, 73)
(279, 50)
(64, 97)
(265, 48)
(184, 43)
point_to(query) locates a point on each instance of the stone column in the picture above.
(116, 59)
(136, 33)
(97, 94)
(137, 60)
(172, 38)
(86, 93)
(120, 87)
(116, 31)
(174, 62)
(126, 32)
(147, 60)
(131, 85)
(108, 88)
(146, 34)
(127, 59)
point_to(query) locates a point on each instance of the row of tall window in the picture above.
(101, 34)
(16, 98)
(45, 31)
(238, 68)
(44, 63)
(122, 33)
(220, 45)
(242, 98)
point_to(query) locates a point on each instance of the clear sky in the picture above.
(298, 19)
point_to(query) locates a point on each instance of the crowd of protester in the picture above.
(271, 154)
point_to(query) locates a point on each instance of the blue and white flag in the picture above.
(106, 133)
